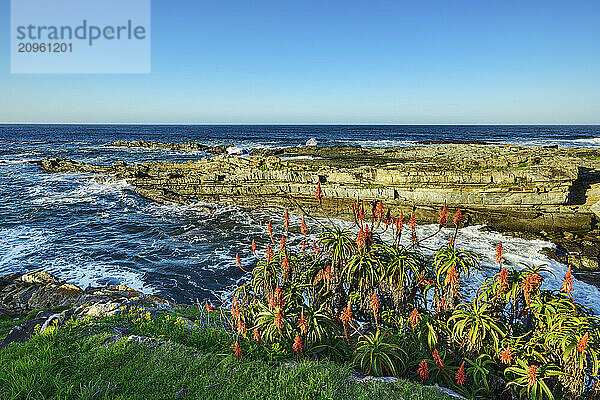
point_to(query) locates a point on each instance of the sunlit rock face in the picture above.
(510, 188)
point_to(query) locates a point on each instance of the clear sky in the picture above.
(404, 62)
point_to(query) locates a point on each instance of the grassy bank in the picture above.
(141, 356)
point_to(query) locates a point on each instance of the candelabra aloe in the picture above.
(363, 294)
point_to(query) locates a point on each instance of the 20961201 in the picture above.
(45, 47)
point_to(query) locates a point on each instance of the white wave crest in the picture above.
(312, 142)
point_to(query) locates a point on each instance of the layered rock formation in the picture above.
(506, 187)
(549, 193)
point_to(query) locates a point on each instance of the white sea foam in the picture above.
(300, 158)
(19, 243)
(17, 161)
(592, 141)
(88, 191)
(540, 142)
(235, 150)
(384, 143)
(312, 142)
(86, 274)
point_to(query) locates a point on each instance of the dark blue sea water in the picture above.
(94, 233)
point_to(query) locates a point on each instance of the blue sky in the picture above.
(417, 62)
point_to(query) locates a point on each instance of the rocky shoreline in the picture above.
(187, 146)
(39, 290)
(548, 193)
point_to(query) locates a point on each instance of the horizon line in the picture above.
(292, 124)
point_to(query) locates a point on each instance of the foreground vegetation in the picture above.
(360, 296)
(354, 299)
(168, 358)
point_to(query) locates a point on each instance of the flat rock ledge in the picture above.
(509, 188)
(553, 193)
(23, 293)
(187, 146)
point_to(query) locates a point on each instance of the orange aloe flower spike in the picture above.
(460, 376)
(443, 217)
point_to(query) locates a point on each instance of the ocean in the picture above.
(92, 233)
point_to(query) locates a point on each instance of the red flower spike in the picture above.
(374, 303)
(414, 318)
(567, 285)
(452, 278)
(460, 376)
(457, 218)
(269, 253)
(315, 248)
(297, 344)
(451, 243)
(346, 315)
(302, 323)
(235, 312)
(319, 194)
(286, 218)
(272, 303)
(412, 222)
(279, 319)
(303, 229)
(423, 370)
(438, 360)
(360, 239)
(237, 350)
(443, 220)
(304, 245)
(400, 222)
(278, 297)
(256, 335)
(270, 228)
(531, 284)
(361, 214)
(379, 210)
(582, 343)
(285, 264)
(532, 374)
(506, 356)
(441, 307)
(282, 245)
(253, 246)
(499, 254)
(237, 260)
(241, 327)
(327, 273)
(503, 281)
(210, 308)
(319, 277)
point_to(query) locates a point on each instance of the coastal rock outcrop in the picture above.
(506, 187)
(186, 146)
(22, 293)
(39, 290)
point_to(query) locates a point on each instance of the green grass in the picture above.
(85, 360)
